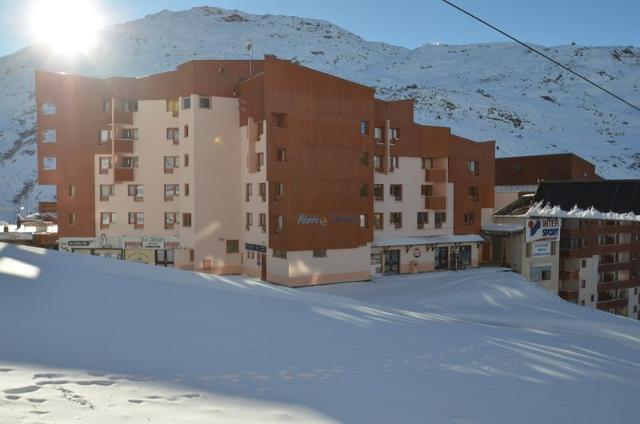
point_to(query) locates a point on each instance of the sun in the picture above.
(67, 26)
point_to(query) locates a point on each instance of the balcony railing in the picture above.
(569, 274)
(123, 175)
(435, 175)
(47, 207)
(435, 203)
(123, 145)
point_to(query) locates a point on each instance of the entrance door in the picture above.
(441, 258)
(264, 266)
(496, 247)
(164, 258)
(392, 262)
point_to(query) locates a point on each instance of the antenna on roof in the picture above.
(249, 46)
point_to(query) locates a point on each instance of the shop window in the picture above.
(320, 253)
(540, 273)
(233, 246)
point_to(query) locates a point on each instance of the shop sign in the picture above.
(133, 244)
(324, 220)
(255, 247)
(541, 249)
(171, 244)
(152, 242)
(79, 243)
(539, 229)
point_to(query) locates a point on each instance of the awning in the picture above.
(502, 229)
(424, 240)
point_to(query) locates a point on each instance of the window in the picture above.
(130, 105)
(395, 219)
(129, 162)
(377, 134)
(279, 224)
(186, 189)
(427, 163)
(592, 298)
(186, 103)
(173, 134)
(136, 219)
(394, 162)
(105, 165)
(248, 221)
(106, 190)
(106, 219)
(49, 136)
(72, 218)
(378, 192)
(171, 191)
(540, 273)
(473, 167)
(364, 190)
(262, 222)
(185, 160)
(262, 191)
(378, 221)
(395, 190)
(469, 218)
(170, 220)
(364, 220)
(394, 135)
(233, 246)
(583, 284)
(129, 134)
(426, 190)
(439, 218)
(282, 254)
(172, 106)
(259, 161)
(49, 163)
(48, 109)
(377, 163)
(105, 136)
(170, 163)
(364, 158)
(106, 105)
(278, 189)
(280, 120)
(248, 192)
(71, 190)
(260, 130)
(473, 192)
(205, 102)
(136, 191)
(364, 127)
(320, 253)
(186, 220)
(422, 219)
(282, 155)
(583, 263)
(185, 131)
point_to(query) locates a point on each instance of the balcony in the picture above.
(569, 295)
(435, 175)
(613, 266)
(605, 305)
(122, 175)
(435, 203)
(122, 117)
(618, 284)
(44, 207)
(123, 145)
(570, 274)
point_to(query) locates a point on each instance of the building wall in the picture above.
(529, 170)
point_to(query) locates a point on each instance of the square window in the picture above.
(233, 246)
(205, 102)
(48, 109)
(49, 163)
(49, 136)
(186, 103)
(320, 253)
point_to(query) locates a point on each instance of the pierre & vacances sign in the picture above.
(324, 220)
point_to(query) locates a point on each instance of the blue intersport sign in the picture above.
(539, 229)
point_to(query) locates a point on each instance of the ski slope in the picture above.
(102, 341)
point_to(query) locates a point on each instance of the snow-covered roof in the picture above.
(422, 240)
(503, 228)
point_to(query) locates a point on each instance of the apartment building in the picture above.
(288, 174)
(600, 249)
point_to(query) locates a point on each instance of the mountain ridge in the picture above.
(483, 91)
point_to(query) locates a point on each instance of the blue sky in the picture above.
(408, 23)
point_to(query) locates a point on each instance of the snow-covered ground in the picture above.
(98, 340)
(483, 91)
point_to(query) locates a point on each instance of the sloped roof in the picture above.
(618, 196)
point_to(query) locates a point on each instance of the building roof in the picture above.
(423, 240)
(529, 170)
(614, 198)
(502, 228)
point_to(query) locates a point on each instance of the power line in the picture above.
(566, 68)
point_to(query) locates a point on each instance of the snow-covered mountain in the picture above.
(482, 91)
(120, 342)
